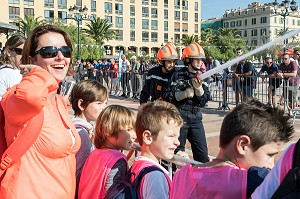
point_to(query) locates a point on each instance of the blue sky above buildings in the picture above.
(216, 8)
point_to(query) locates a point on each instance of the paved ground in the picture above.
(212, 120)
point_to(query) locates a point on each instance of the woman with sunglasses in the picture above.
(9, 61)
(47, 169)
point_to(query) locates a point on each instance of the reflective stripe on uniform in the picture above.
(157, 77)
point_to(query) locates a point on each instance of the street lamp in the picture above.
(285, 8)
(78, 14)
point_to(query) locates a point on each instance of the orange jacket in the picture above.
(47, 170)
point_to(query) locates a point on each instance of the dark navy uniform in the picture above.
(190, 109)
(155, 82)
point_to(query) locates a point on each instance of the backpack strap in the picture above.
(25, 139)
(143, 172)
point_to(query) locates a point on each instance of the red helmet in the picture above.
(166, 53)
(194, 50)
(171, 44)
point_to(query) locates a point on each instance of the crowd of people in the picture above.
(84, 156)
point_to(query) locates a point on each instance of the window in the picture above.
(239, 23)
(232, 24)
(93, 6)
(153, 2)
(154, 12)
(145, 36)
(185, 27)
(132, 22)
(145, 24)
(166, 26)
(263, 32)
(275, 20)
(246, 22)
(185, 5)
(132, 35)
(153, 24)
(14, 1)
(166, 3)
(185, 16)
(177, 15)
(29, 11)
(145, 11)
(226, 24)
(176, 4)
(62, 16)
(109, 19)
(79, 3)
(14, 12)
(132, 11)
(196, 17)
(281, 21)
(166, 14)
(177, 27)
(254, 32)
(108, 7)
(119, 8)
(298, 22)
(49, 3)
(145, 2)
(196, 6)
(177, 38)
(49, 15)
(254, 42)
(119, 22)
(93, 16)
(293, 22)
(132, 1)
(119, 34)
(153, 36)
(263, 20)
(253, 21)
(166, 37)
(62, 4)
(29, 2)
(245, 33)
(196, 28)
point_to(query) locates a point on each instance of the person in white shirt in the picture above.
(9, 62)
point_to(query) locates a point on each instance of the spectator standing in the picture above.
(288, 69)
(250, 137)
(9, 62)
(189, 94)
(88, 98)
(158, 77)
(125, 78)
(48, 166)
(114, 75)
(104, 68)
(271, 69)
(235, 83)
(136, 78)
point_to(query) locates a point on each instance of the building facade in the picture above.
(142, 25)
(259, 24)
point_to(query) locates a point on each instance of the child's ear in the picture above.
(243, 143)
(147, 138)
(79, 104)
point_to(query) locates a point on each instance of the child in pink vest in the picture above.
(157, 127)
(250, 137)
(106, 166)
(276, 176)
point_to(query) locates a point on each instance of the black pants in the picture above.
(193, 130)
(125, 83)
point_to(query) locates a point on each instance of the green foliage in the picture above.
(189, 39)
(27, 24)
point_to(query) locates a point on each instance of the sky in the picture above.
(216, 8)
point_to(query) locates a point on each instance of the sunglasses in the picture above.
(17, 50)
(52, 51)
(269, 62)
(285, 58)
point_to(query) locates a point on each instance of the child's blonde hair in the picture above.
(110, 121)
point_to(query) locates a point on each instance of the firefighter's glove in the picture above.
(187, 93)
(197, 84)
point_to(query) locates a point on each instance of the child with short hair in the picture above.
(157, 127)
(106, 166)
(251, 135)
(88, 98)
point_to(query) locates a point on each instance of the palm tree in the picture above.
(100, 30)
(189, 39)
(27, 24)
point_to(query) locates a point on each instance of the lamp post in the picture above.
(78, 14)
(285, 8)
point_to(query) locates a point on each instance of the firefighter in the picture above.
(188, 93)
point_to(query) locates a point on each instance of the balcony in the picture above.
(132, 38)
(177, 29)
(154, 15)
(153, 3)
(145, 27)
(153, 27)
(184, 19)
(119, 12)
(177, 7)
(62, 6)
(132, 13)
(165, 5)
(145, 3)
(145, 15)
(177, 18)
(49, 5)
(166, 28)
(184, 30)
(108, 11)
(145, 39)
(13, 16)
(185, 7)
(154, 40)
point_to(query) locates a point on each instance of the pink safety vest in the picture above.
(287, 162)
(218, 183)
(137, 167)
(95, 171)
